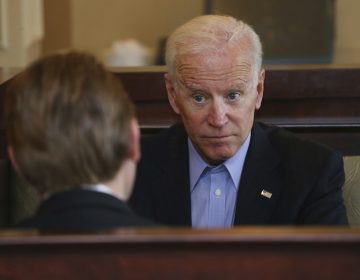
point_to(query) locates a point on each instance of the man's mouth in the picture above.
(217, 137)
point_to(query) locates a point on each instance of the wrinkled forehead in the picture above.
(229, 68)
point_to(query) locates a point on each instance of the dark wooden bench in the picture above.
(241, 253)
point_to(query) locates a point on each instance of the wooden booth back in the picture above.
(317, 103)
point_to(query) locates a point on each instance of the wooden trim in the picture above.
(249, 253)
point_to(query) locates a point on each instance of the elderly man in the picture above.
(72, 135)
(219, 168)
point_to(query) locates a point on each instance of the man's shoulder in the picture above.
(164, 139)
(64, 210)
(292, 146)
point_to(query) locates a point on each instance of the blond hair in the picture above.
(67, 119)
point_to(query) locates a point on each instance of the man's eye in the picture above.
(233, 96)
(198, 98)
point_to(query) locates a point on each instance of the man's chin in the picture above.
(217, 158)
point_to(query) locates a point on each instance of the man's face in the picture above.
(216, 97)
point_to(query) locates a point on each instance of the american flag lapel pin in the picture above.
(266, 194)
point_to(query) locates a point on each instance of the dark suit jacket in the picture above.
(305, 180)
(80, 209)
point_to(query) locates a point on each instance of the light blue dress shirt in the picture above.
(214, 188)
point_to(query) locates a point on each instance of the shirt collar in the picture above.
(234, 165)
(99, 188)
(196, 165)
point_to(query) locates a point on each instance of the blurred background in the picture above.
(133, 32)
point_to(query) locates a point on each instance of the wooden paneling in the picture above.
(318, 103)
(299, 97)
(241, 253)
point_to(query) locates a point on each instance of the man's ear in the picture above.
(134, 147)
(260, 89)
(14, 162)
(171, 93)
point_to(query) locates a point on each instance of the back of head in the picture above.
(67, 122)
(211, 33)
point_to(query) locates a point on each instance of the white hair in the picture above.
(212, 33)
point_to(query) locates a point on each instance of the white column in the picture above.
(21, 31)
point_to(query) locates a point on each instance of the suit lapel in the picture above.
(260, 174)
(176, 207)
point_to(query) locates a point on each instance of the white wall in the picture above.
(97, 23)
(347, 43)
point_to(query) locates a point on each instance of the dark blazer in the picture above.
(305, 180)
(80, 209)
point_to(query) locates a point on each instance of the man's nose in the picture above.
(218, 114)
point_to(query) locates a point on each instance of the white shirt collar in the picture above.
(99, 188)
